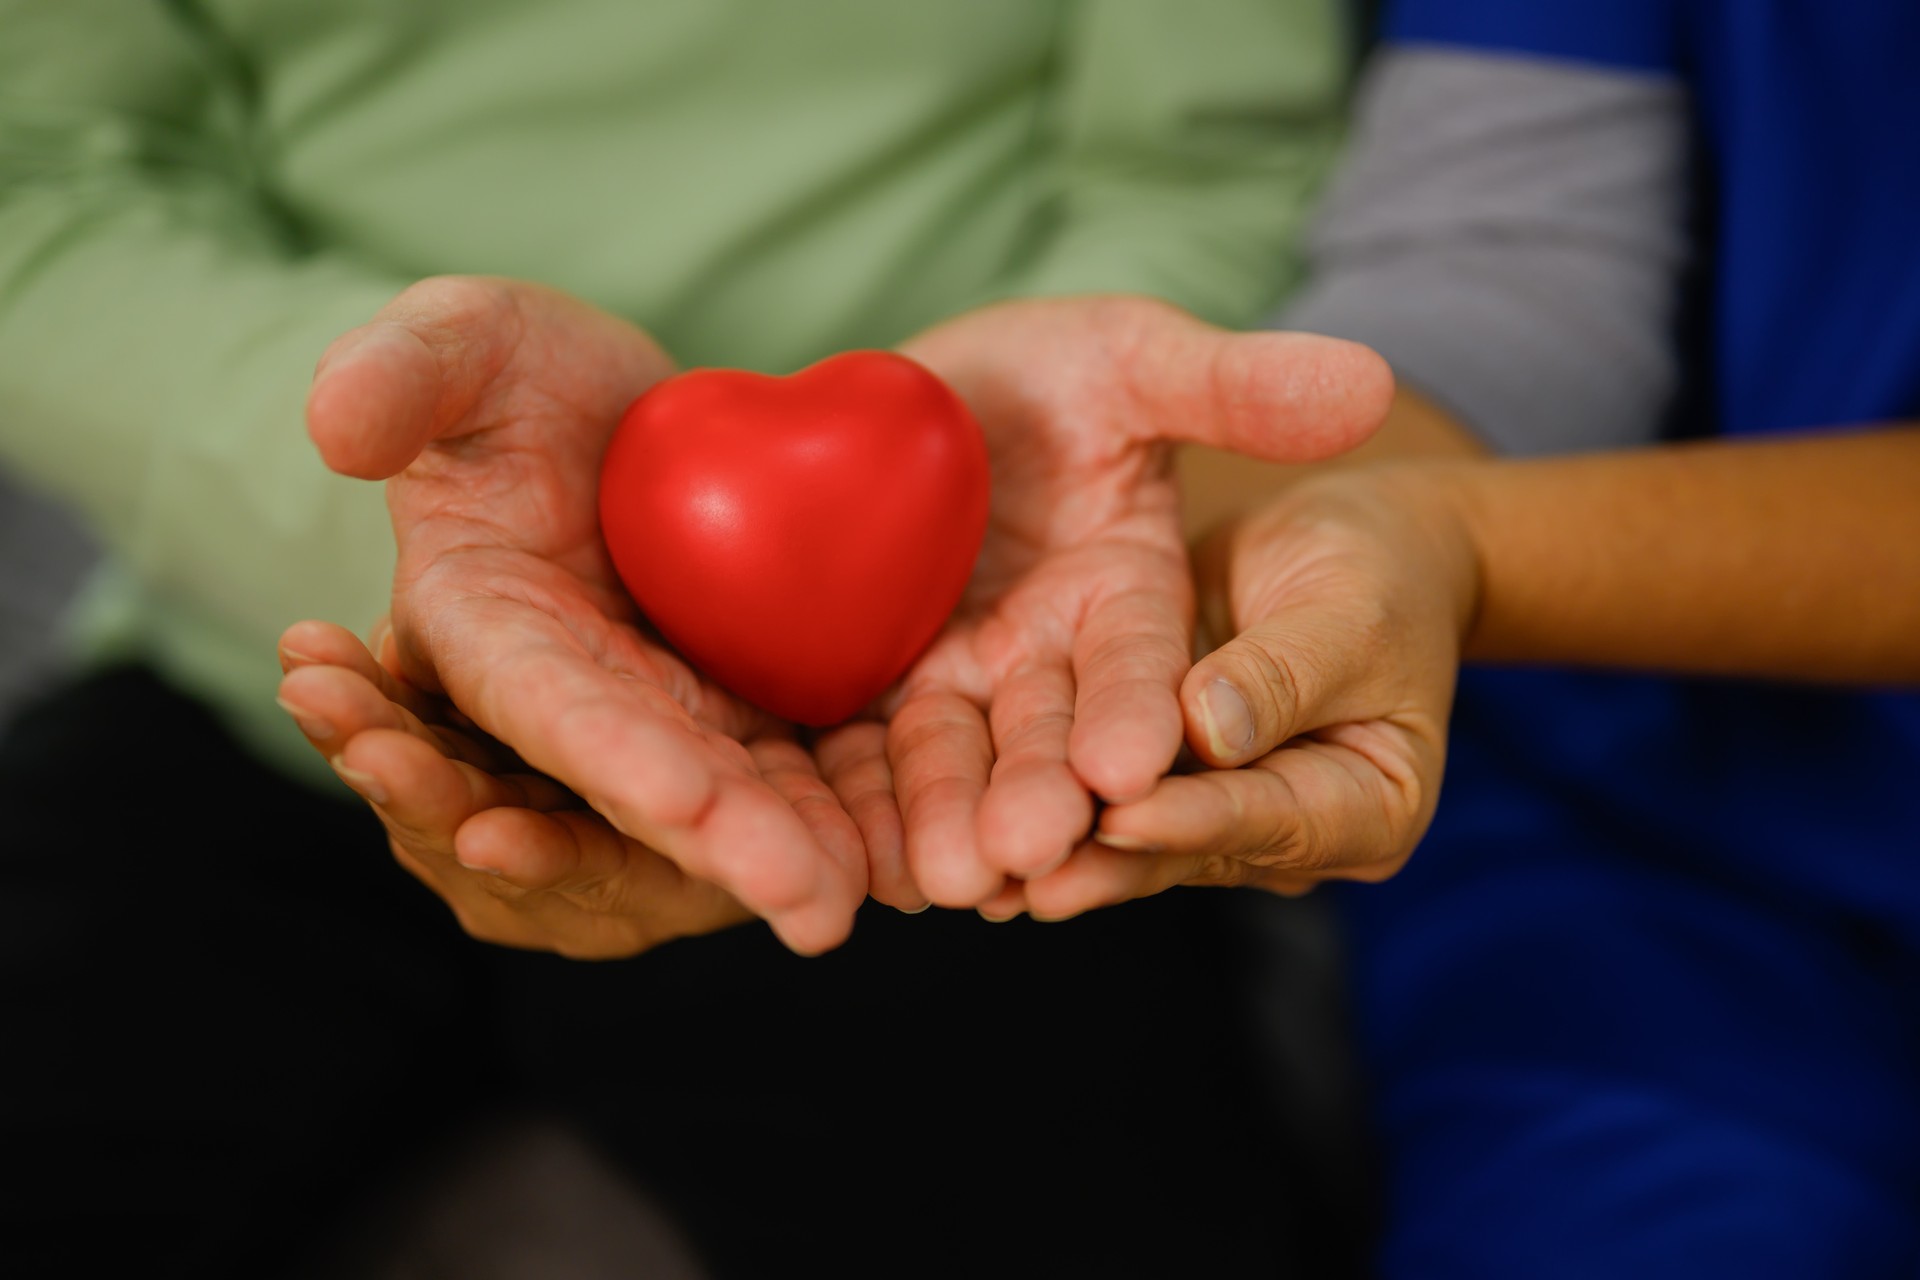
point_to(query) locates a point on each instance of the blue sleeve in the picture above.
(1635, 35)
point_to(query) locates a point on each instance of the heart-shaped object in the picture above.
(800, 539)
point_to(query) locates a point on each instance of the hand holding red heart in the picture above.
(520, 860)
(1054, 681)
(489, 404)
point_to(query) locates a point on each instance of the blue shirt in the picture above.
(1808, 123)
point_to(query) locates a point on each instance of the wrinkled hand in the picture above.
(489, 404)
(520, 860)
(1351, 595)
(1056, 680)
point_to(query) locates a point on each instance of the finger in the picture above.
(384, 391)
(526, 681)
(640, 762)
(1034, 810)
(753, 844)
(617, 899)
(1005, 905)
(333, 704)
(422, 368)
(853, 761)
(635, 756)
(423, 796)
(1348, 802)
(1284, 675)
(1099, 875)
(533, 852)
(792, 774)
(1128, 660)
(942, 755)
(315, 643)
(1281, 397)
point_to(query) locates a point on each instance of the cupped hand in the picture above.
(1324, 719)
(487, 405)
(521, 861)
(1056, 680)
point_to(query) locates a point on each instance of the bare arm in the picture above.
(1796, 558)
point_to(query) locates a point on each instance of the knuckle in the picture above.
(499, 888)
(1221, 870)
(924, 720)
(1270, 677)
(453, 297)
(1044, 726)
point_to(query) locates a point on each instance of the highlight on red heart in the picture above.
(799, 539)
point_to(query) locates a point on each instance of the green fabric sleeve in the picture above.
(1188, 142)
(161, 309)
(159, 324)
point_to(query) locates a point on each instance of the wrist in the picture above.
(1441, 502)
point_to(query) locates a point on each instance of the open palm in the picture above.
(489, 403)
(1056, 680)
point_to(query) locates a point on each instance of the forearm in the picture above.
(1793, 558)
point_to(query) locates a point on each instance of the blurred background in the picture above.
(44, 555)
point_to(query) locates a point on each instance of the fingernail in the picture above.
(291, 657)
(913, 911)
(1228, 719)
(1126, 844)
(311, 725)
(991, 918)
(360, 781)
(485, 871)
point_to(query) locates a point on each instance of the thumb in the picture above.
(384, 391)
(1281, 677)
(1280, 397)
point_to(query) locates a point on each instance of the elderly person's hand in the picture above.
(1056, 681)
(520, 860)
(487, 405)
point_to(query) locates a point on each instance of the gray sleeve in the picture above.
(1509, 232)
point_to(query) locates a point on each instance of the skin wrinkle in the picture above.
(461, 305)
(1126, 643)
(1379, 861)
(1274, 676)
(1049, 723)
(568, 725)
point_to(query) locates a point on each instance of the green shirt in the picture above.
(197, 196)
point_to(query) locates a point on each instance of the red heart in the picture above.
(799, 539)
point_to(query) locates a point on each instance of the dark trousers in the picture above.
(235, 1026)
